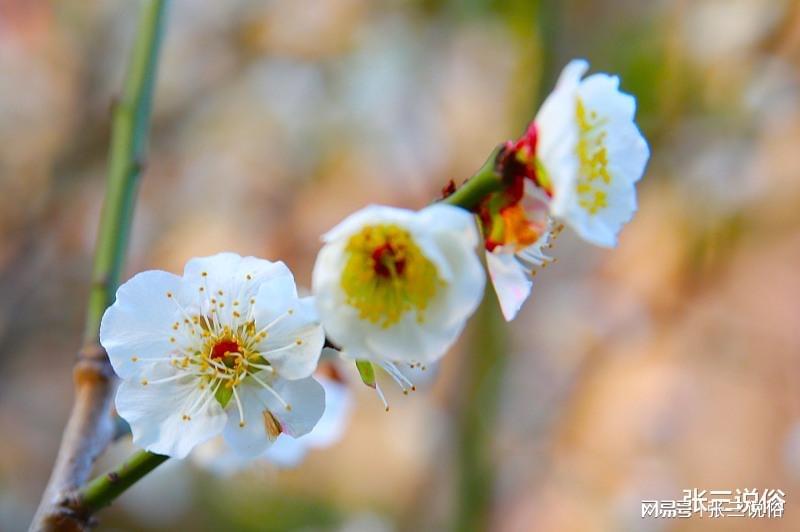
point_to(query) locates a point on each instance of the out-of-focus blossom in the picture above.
(217, 456)
(226, 348)
(393, 285)
(591, 153)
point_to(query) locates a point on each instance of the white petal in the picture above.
(295, 338)
(408, 341)
(229, 279)
(601, 92)
(332, 424)
(157, 412)
(511, 282)
(289, 452)
(306, 398)
(370, 215)
(454, 221)
(138, 325)
(245, 432)
(557, 139)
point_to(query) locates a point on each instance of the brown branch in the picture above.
(90, 427)
(87, 434)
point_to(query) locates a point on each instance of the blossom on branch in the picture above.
(397, 286)
(577, 164)
(228, 348)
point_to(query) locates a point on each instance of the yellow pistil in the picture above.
(594, 176)
(387, 275)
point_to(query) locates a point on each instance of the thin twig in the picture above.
(90, 427)
(102, 490)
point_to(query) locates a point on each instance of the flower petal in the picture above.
(138, 325)
(294, 338)
(371, 214)
(306, 398)
(230, 280)
(172, 417)
(511, 282)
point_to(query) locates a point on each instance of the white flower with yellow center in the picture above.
(227, 348)
(394, 285)
(590, 153)
(578, 163)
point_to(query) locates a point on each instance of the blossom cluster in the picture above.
(228, 354)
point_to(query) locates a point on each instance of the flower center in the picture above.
(223, 347)
(388, 261)
(594, 177)
(387, 275)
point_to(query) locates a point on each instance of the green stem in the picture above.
(105, 488)
(485, 181)
(87, 433)
(130, 124)
(480, 381)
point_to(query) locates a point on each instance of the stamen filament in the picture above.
(239, 406)
(266, 386)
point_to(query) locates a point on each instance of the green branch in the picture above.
(89, 429)
(130, 124)
(105, 488)
(485, 181)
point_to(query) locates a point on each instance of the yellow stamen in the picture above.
(594, 176)
(387, 275)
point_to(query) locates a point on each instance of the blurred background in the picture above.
(670, 362)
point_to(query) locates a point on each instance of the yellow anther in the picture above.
(387, 275)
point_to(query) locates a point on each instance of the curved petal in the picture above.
(332, 424)
(450, 219)
(171, 417)
(369, 215)
(245, 432)
(138, 325)
(289, 452)
(465, 291)
(262, 409)
(307, 398)
(511, 282)
(294, 337)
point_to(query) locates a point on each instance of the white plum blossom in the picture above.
(228, 348)
(397, 286)
(217, 457)
(591, 153)
(582, 157)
